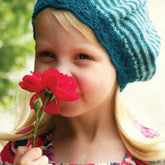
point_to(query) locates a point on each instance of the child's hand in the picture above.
(30, 156)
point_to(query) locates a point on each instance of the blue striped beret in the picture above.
(123, 28)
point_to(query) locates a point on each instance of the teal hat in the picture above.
(122, 27)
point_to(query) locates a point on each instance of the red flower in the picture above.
(52, 81)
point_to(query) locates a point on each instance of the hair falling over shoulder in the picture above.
(142, 148)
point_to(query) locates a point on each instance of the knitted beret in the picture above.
(122, 27)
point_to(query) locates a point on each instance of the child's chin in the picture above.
(69, 112)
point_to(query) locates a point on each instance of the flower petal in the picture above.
(32, 83)
(65, 95)
(52, 108)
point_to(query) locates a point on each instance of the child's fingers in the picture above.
(43, 160)
(21, 151)
(30, 156)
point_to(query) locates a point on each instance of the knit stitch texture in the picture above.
(123, 28)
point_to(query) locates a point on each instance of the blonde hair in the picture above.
(142, 148)
(145, 149)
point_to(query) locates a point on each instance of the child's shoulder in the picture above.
(8, 152)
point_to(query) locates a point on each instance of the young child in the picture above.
(103, 45)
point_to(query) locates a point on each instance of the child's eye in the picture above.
(47, 54)
(83, 57)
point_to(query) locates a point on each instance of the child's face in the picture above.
(73, 54)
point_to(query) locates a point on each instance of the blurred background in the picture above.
(17, 55)
(16, 45)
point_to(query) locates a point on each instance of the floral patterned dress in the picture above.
(44, 141)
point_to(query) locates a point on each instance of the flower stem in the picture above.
(38, 117)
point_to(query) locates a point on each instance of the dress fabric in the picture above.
(44, 141)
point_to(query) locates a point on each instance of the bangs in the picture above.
(69, 21)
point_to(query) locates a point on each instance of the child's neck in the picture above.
(89, 128)
(81, 137)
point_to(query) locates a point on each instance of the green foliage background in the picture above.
(16, 43)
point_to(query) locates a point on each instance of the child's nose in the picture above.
(64, 69)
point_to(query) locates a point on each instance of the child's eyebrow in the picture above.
(41, 43)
